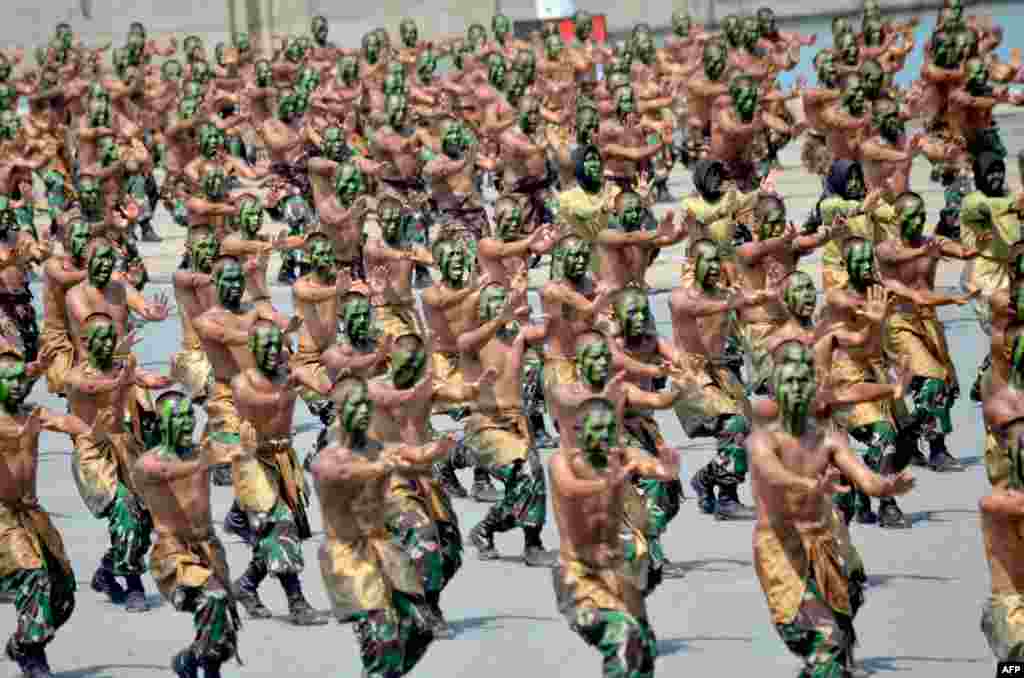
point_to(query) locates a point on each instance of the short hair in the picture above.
(591, 406)
(409, 342)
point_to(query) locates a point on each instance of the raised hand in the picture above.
(160, 308)
(830, 483)
(877, 305)
(667, 227)
(124, 346)
(247, 434)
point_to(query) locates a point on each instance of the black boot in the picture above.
(661, 191)
(211, 668)
(220, 475)
(300, 612)
(481, 537)
(534, 553)
(185, 664)
(483, 489)
(322, 410)
(976, 388)
(705, 490)
(444, 474)
(941, 461)
(729, 506)
(104, 582)
(136, 594)
(286, 276)
(31, 659)
(865, 516)
(541, 438)
(237, 523)
(890, 516)
(435, 618)
(422, 278)
(148, 234)
(247, 591)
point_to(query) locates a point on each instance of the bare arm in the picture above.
(153, 469)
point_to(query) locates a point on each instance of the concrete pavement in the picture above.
(921, 619)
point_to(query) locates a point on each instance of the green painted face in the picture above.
(396, 107)
(286, 108)
(356, 412)
(101, 265)
(78, 239)
(571, 259)
(496, 70)
(264, 73)
(766, 22)
(745, 97)
(492, 301)
(891, 125)
(333, 144)
(597, 436)
(795, 385)
(90, 195)
(177, 423)
(553, 47)
(584, 26)
(242, 42)
(349, 184)
(109, 151)
(426, 65)
(14, 385)
(100, 341)
(348, 70)
(454, 264)
(593, 168)
(250, 217)
(733, 30)
(633, 313)
(873, 77)
(501, 26)
(171, 70)
(210, 141)
(912, 218)
(10, 125)
(476, 36)
(509, 218)
(319, 28)
(407, 367)
(587, 123)
(708, 266)
(827, 73)
(872, 30)
(371, 48)
(357, 317)
(854, 96)
(294, 51)
(800, 296)
(517, 85)
(309, 79)
(452, 140)
(855, 186)
(230, 282)
(681, 24)
(266, 344)
(631, 212)
(847, 48)
(390, 213)
(595, 363)
(409, 32)
(772, 221)
(201, 72)
(99, 113)
(750, 32)
(840, 25)
(394, 84)
(977, 77)
(204, 249)
(860, 265)
(8, 95)
(214, 184)
(321, 258)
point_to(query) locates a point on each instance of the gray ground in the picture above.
(921, 618)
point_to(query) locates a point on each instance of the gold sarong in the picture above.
(848, 373)
(711, 391)
(187, 562)
(447, 375)
(222, 418)
(1002, 622)
(309, 360)
(271, 474)
(916, 333)
(25, 530)
(754, 336)
(191, 368)
(784, 559)
(420, 494)
(580, 586)
(558, 371)
(497, 439)
(100, 465)
(395, 320)
(56, 349)
(361, 575)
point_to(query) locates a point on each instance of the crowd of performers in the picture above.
(379, 168)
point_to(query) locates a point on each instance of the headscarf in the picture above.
(700, 177)
(835, 185)
(982, 164)
(581, 176)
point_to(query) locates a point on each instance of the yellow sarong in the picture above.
(497, 439)
(100, 465)
(361, 574)
(25, 530)
(187, 562)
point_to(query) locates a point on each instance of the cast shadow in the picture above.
(886, 579)
(670, 646)
(461, 626)
(972, 461)
(707, 564)
(873, 665)
(934, 516)
(108, 670)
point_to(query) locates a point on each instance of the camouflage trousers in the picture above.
(130, 525)
(879, 438)
(729, 465)
(628, 645)
(820, 636)
(663, 501)
(392, 641)
(44, 599)
(933, 404)
(525, 502)
(214, 619)
(435, 547)
(278, 547)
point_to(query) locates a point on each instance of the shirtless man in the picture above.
(195, 294)
(792, 458)
(887, 155)
(453, 175)
(102, 387)
(224, 334)
(36, 574)
(368, 576)
(269, 484)
(496, 433)
(524, 156)
(188, 561)
(598, 595)
(847, 122)
(815, 154)
(913, 331)
(504, 254)
(60, 275)
(626, 249)
(342, 205)
(19, 251)
(718, 406)
(624, 143)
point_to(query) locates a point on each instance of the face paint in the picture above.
(766, 22)
(632, 212)
(597, 437)
(510, 221)
(801, 297)
(348, 184)
(860, 266)
(681, 24)
(14, 385)
(912, 219)
(745, 100)
(101, 266)
(848, 50)
(171, 71)
(574, 260)
(407, 367)
(356, 412)
(250, 217)
(708, 268)
(553, 47)
(321, 258)
(452, 141)
(795, 387)
(357, 319)
(90, 196)
(454, 265)
(391, 222)
(595, 363)
(396, 108)
(266, 345)
(78, 239)
(264, 73)
(854, 189)
(633, 314)
(371, 48)
(230, 282)
(492, 301)
(204, 250)
(853, 96)
(593, 168)
(100, 341)
(214, 184)
(501, 26)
